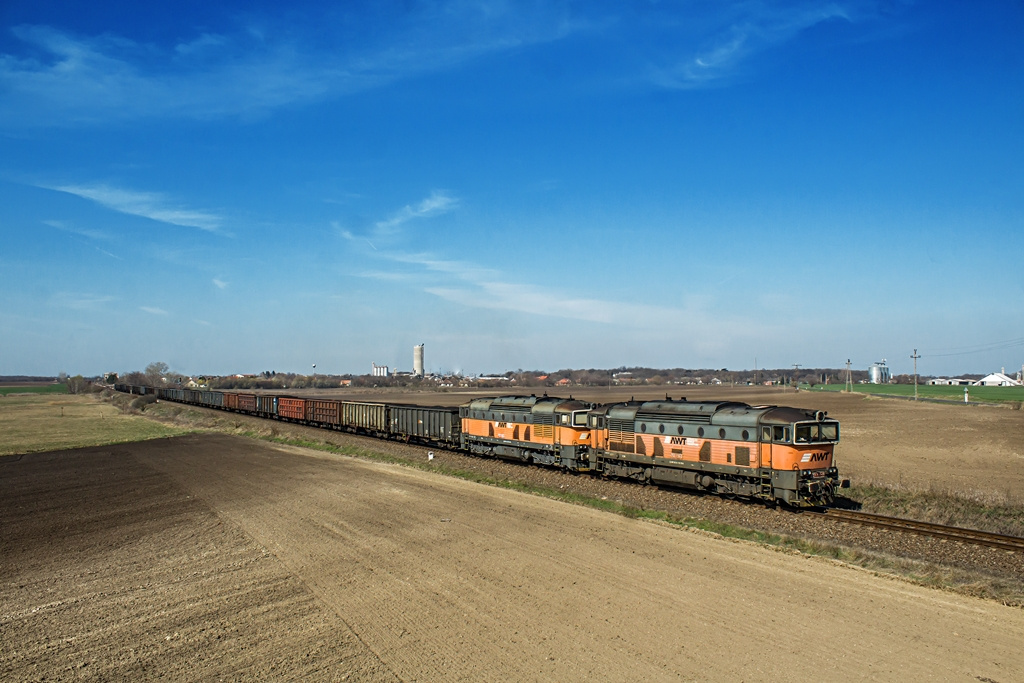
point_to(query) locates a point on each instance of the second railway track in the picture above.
(941, 531)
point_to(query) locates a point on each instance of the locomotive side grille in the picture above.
(743, 456)
(544, 426)
(705, 452)
(621, 436)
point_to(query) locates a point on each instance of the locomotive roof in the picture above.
(785, 415)
(724, 413)
(668, 410)
(527, 404)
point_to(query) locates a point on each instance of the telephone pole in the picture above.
(915, 357)
(849, 377)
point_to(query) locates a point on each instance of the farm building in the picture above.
(997, 379)
(951, 382)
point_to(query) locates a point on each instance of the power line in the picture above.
(980, 348)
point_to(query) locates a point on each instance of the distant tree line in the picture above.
(160, 374)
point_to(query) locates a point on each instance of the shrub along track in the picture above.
(985, 571)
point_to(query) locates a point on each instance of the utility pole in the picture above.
(796, 369)
(915, 357)
(849, 377)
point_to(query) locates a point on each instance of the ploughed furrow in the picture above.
(942, 531)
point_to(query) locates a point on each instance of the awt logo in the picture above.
(814, 457)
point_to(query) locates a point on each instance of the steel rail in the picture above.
(951, 533)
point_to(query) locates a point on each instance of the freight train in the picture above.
(769, 453)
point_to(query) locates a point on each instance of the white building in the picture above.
(997, 379)
(379, 370)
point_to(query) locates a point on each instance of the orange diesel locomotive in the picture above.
(544, 430)
(766, 452)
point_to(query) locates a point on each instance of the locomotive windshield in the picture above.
(817, 432)
(579, 418)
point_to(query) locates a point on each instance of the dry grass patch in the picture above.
(942, 507)
(32, 423)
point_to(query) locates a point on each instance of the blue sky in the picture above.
(539, 185)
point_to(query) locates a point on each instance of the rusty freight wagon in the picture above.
(323, 412)
(290, 408)
(247, 403)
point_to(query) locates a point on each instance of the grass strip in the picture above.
(34, 389)
(31, 423)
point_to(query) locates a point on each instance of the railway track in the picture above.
(941, 531)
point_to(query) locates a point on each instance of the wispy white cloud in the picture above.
(153, 310)
(476, 286)
(74, 230)
(80, 301)
(152, 205)
(437, 203)
(481, 287)
(383, 275)
(64, 79)
(207, 42)
(220, 283)
(754, 28)
(107, 253)
(388, 230)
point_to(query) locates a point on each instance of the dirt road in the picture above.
(218, 557)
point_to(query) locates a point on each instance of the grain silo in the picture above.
(879, 373)
(417, 360)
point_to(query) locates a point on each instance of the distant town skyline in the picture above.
(232, 187)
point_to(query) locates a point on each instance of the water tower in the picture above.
(417, 360)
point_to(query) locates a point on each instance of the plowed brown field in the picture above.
(207, 557)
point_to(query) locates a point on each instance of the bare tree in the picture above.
(135, 378)
(77, 384)
(155, 372)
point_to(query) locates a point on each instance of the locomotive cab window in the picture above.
(579, 419)
(565, 419)
(780, 434)
(817, 432)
